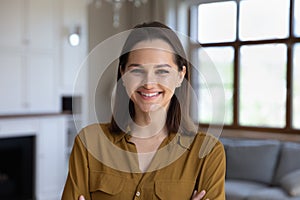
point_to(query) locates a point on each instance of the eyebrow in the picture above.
(156, 66)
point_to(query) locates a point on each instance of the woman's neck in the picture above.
(149, 124)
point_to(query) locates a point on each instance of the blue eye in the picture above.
(137, 71)
(162, 71)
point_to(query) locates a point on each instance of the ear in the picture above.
(181, 75)
(122, 73)
(121, 70)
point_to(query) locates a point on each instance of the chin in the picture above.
(149, 108)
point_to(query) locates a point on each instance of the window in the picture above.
(222, 58)
(220, 27)
(296, 87)
(258, 21)
(254, 45)
(297, 18)
(262, 85)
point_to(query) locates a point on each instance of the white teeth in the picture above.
(149, 94)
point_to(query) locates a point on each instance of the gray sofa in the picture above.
(262, 169)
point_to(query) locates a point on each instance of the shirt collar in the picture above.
(119, 137)
(184, 141)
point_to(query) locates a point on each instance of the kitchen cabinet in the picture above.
(42, 90)
(12, 21)
(29, 56)
(11, 83)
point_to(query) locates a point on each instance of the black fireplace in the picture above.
(17, 168)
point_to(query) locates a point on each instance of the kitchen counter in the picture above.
(35, 115)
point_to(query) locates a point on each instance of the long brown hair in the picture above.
(178, 118)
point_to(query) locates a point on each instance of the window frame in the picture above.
(236, 45)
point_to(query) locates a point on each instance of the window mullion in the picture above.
(289, 91)
(236, 85)
(236, 71)
(289, 73)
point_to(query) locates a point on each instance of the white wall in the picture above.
(73, 14)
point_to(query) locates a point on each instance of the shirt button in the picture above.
(138, 194)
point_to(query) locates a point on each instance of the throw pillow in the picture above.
(253, 160)
(291, 183)
(288, 161)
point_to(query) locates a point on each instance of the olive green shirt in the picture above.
(104, 166)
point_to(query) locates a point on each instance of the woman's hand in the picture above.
(81, 197)
(196, 195)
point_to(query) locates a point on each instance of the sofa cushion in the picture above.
(240, 189)
(289, 160)
(253, 160)
(291, 183)
(227, 142)
(271, 193)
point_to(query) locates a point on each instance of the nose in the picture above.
(149, 80)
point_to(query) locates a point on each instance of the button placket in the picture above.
(138, 193)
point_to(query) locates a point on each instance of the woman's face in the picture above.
(151, 75)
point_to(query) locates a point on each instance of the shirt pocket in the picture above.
(174, 189)
(105, 185)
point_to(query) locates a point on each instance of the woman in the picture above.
(150, 149)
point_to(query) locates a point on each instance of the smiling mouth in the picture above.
(149, 95)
